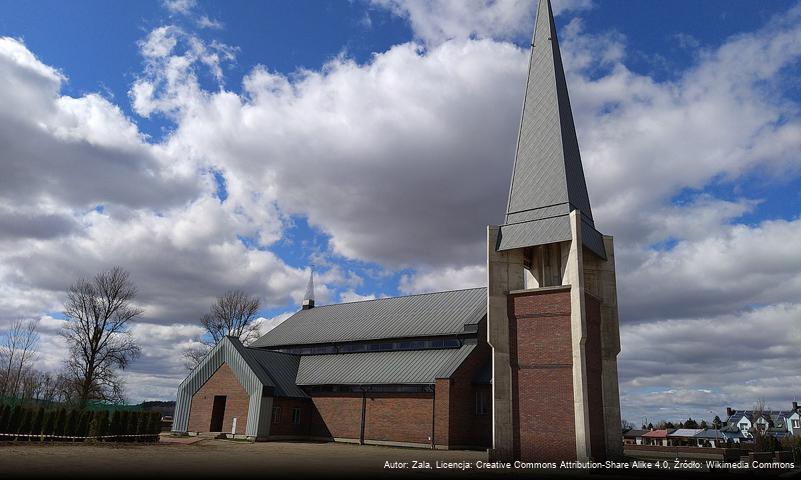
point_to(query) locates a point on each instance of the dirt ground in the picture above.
(215, 458)
(194, 458)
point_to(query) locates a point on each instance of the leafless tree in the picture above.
(17, 350)
(98, 335)
(233, 314)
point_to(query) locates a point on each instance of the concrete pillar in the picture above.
(505, 272)
(574, 276)
(601, 282)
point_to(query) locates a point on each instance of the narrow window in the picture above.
(276, 415)
(296, 416)
(481, 402)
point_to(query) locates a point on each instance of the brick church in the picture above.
(525, 368)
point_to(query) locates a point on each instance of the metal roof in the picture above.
(429, 314)
(228, 351)
(686, 432)
(282, 368)
(374, 368)
(548, 178)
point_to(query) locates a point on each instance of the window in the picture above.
(796, 424)
(276, 415)
(296, 416)
(482, 402)
(743, 426)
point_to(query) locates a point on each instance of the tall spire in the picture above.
(548, 179)
(308, 298)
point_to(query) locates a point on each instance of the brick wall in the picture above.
(592, 351)
(222, 382)
(399, 417)
(465, 428)
(542, 375)
(285, 425)
(336, 415)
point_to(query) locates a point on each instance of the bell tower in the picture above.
(551, 297)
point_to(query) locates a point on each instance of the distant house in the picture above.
(794, 421)
(656, 437)
(777, 423)
(634, 436)
(683, 437)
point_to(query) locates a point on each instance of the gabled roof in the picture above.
(429, 314)
(657, 434)
(548, 178)
(633, 433)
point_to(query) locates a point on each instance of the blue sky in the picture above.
(209, 145)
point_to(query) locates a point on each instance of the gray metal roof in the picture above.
(238, 358)
(549, 230)
(548, 178)
(430, 314)
(375, 368)
(281, 368)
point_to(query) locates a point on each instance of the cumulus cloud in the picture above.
(438, 280)
(436, 21)
(402, 161)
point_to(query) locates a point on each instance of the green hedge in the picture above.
(23, 423)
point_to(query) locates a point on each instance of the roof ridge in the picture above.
(400, 296)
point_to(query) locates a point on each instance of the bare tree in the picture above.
(17, 351)
(98, 335)
(232, 314)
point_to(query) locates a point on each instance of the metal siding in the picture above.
(442, 313)
(539, 232)
(374, 368)
(226, 351)
(593, 239)
(548, 177)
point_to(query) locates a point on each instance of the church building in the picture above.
(525, 368)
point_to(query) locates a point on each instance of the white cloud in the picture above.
(443, 279)
(351, 296)
(183, 7)
(436, 21)
(205, 22)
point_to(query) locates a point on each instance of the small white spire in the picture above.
(308, 298)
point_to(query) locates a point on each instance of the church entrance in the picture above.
(217, 414)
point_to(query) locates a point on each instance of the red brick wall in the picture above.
(542, 375)
(337, 415)
(592, 351)
(465, 428)
(399, 417)
(285, 426)
(395, 417)
(222, 382)
(442, 399)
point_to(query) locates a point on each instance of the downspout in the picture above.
(433, 415)
(364, 411)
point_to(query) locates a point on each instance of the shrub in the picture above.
(99, 425)
(24, 424)
(71, 426)
(49, 422)
(38, 422)
(83, 423)
(60, 423)
(130, 427)
(118, 422)
(793, 444)
(5, 411)
(14, 420)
